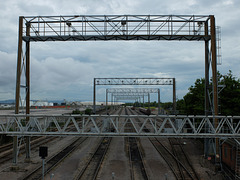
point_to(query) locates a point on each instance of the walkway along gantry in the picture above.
(112, 28)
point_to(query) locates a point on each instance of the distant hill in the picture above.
(10, 101)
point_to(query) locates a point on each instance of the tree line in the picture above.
(228, 98)
(193, 102)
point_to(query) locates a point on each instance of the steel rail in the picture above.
(165, 159)
(177, 160)
(7, 156)
(136, 155)
(181, 170)
(54, 160)
(98, 156)
(188, 161)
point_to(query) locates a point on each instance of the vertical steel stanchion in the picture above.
(214, 81)
(18, 85)
(94, 95)
(207, 110)
(149, 100)
(43, 153)
(143, 102)
(28, 90)
(43, 169)
(106, 100)
(174, 96)
(158, 101)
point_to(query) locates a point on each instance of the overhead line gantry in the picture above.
(133, 94)
(112, 28)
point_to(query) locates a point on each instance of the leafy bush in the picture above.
(88, 111)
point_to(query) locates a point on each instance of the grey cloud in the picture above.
(67, 69)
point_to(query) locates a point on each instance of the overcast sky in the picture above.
(65, 70)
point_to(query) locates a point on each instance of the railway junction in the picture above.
(132, 153)
(133, 130)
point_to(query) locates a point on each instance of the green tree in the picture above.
(194, 99)
(229, 97)
(181, 106)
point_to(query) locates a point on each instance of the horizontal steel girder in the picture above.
(133, 81)
(129, 94)
(133, 90)
(115, 27)
(118, 38)
(118, 125)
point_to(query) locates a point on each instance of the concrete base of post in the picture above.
(27, 160)
(14, 168)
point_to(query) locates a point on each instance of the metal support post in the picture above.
(112, 101)
(214, 77)
(94, 95)
(18, 82)
(28, 90)
(174, 96)
(158, 101)
(148, 100)
(207, 110)
(143, 102)
(214, 66)
(206, 72)
(106, 100)
(43, 167)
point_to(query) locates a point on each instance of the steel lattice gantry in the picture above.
(132, 93)
(116, 27)
(111, 28)
(135, 82)
(137, 97)
(180, 126)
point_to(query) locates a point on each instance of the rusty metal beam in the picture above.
(214, 65)
(214, 79)
(28, 89)
(18, 84)
(174, 96)
(19, 64)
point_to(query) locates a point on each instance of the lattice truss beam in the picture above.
(119, 125)
(131, 93)
(133, 81)
(127, 97)
(133, 90)
(115, 27)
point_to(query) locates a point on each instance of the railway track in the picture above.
(186, 167)
(9, 146)
(92, 167)
(6, 147)
(136, 160)
(94, 163)
(7, 155)
(54, 160)
(176, 158)
(179, 169)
